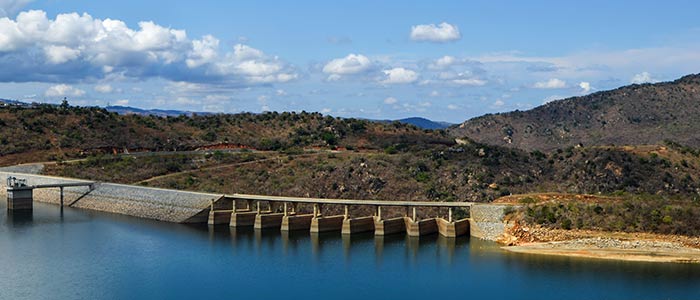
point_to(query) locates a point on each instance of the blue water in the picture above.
(90, 255)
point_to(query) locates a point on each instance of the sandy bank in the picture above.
(613, 248)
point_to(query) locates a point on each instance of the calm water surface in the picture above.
(91, 255)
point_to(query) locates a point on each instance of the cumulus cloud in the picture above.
(203, 51)
(390, 100)
(643, 77)
(76, 47)
(63, 90)
(399, 75)
(441, 33)
(452, 107)
(585, 86)
(553, 83)
(443, 62)
(349, 65)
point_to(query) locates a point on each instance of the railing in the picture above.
(347, 201)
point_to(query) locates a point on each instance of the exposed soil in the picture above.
(603, 245)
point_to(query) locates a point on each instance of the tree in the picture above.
(64, 103)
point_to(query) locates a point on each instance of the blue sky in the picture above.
(444, 60)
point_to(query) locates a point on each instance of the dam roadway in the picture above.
(315, 215)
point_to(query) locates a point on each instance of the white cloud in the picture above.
(399, 75)
(470, 81)
(103, 88)
(443, 62)
(553, 83)
(203, 51)
(390, 100)
(78, 47)
(254, 65)
(643, 77)
(452, 107)
(349, 65)
(63, 90)
(440, 33)
(585, 87)
(326, 111)
(498, 103)
(60, 54)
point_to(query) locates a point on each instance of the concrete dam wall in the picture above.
(151, 203)
(486, 221)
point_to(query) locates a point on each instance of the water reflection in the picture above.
(120, 257)
(20, 218)
(292, 243)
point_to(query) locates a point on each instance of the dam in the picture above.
(315, 215)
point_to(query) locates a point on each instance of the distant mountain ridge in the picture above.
(128, 110)
(125, 110)
(425, 123)
(630, 115)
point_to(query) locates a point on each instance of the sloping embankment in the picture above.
(144, 202)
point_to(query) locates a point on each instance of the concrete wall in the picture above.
(487, 222)
(144, 202)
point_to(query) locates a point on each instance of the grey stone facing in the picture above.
(144, 202)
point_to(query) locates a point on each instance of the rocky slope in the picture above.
(630, 115)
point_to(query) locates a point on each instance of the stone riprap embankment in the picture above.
(24, 168)
(487, 221)
(144, 202)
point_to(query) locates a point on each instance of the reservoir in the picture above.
(81, 254)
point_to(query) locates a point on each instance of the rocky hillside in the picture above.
(48, 132)
(467, 172)
(630, 115)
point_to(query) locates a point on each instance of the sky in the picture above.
(443, 60)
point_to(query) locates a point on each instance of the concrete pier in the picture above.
(389, 226)
(219, 217)
(357, 225)
(326, 224)
(420, 227)
(243, 218)
(268, 220)
(296, 222)
(453, 229)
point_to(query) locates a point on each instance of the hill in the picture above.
(44, 131)
(630, 115)
(467, 172)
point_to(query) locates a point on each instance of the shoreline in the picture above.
(646, 253)
(622, 246)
